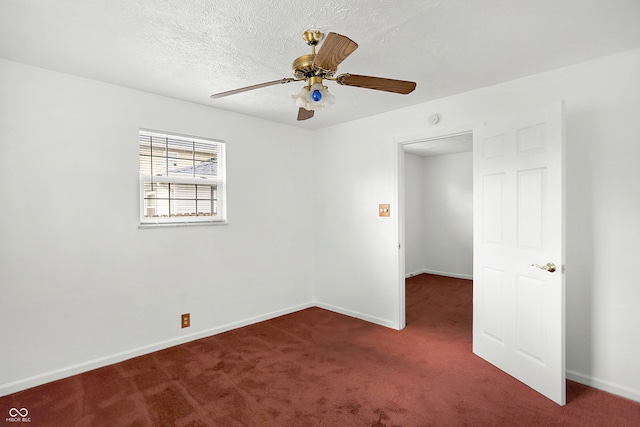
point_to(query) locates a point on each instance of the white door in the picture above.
(518, 296)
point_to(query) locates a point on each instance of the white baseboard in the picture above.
(36, 380)
(440, 273)
(413, 273)
(357, 315)
(604, 385)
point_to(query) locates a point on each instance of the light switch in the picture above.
(383, 210)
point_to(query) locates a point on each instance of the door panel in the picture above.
(529, 314)
(492, 209)
(531, 188)
(493, 292)
(518, 229)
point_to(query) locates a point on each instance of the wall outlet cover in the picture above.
(186, 320)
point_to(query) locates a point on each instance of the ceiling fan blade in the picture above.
(304, 114)
(333, 51)
(377, 83)
(248, 88)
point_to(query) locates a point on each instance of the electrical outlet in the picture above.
(186, 320)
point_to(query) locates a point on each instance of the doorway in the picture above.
(435, 178)
(439, 207)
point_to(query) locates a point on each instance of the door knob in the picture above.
(550, 267)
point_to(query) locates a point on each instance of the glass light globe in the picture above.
(314, 97)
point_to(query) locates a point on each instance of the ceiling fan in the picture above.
(314, 68)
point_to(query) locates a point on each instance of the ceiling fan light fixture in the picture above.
(313, 97)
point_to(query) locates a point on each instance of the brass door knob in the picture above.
(550, 267)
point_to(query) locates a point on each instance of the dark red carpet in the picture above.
(318, 368)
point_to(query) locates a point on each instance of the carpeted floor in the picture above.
(318, 368)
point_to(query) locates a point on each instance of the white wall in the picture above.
(80, 284)
(356, 251)
(357, 254)
(414, 215)
(439, 214)
(448, 215)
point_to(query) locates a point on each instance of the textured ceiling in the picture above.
(191, 49)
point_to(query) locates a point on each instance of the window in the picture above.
(181, 179)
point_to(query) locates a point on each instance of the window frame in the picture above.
(218, 181)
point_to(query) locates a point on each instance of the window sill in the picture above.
(180, 224)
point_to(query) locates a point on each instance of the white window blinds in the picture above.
(181, 178)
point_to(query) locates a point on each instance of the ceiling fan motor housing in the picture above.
(303, 68)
